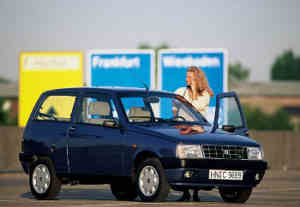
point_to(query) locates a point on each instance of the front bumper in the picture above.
(253, 173)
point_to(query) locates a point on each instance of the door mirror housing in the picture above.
(112, 123)
(228, 128)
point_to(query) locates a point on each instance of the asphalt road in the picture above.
(278, 189)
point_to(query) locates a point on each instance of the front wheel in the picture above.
(43, 181)
(235, 195)
(151, 181)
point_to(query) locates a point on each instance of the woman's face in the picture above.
(189, 78)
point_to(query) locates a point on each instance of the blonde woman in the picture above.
(198, 93)
(197, 90)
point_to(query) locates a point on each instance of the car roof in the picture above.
(109, 90)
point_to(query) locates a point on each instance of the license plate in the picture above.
(225, 175)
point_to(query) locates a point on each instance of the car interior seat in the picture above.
(139, 114)
(99, 111)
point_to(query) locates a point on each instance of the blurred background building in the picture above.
(271, 97)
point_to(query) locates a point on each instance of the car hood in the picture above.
(174, 133)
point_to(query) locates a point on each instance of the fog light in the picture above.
(257, 177)
(188, 174)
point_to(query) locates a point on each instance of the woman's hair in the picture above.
(201, 80)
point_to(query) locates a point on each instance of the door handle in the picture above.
(70, 130)
(53, 148)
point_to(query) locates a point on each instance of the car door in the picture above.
(229, 115)
(48, 128)
(96, 141)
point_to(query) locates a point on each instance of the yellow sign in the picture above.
(41, 71)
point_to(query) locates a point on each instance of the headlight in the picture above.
(255, 153)
(188, 151)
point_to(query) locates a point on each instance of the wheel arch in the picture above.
(143, 155)
(36, 158)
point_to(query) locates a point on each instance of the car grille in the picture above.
(225, 152)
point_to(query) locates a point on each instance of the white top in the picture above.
(201, 103)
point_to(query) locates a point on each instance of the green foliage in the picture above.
(3, 114)
(157, 48)
(4, 80)
(238, 72)
(286, 67)
(5, 119)
(259, 120)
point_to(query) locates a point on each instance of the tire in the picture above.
(235, 195)
(43, 182)
(124, 191)
(152, 185)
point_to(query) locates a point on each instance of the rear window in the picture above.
(56, 108)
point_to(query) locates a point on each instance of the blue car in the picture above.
(141, 142)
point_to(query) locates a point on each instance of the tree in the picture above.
(157, 48)
(259, 120)
(4, 80)
(4, 115)
(238, 72)
(286, 67)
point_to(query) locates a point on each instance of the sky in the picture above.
(254, 32)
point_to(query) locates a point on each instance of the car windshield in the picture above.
(160, 109)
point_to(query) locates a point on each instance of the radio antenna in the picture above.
(146, 87)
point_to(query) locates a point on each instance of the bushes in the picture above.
(4, 115)
(259, 120)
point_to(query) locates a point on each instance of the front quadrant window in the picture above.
(56, 108)
(98, 111)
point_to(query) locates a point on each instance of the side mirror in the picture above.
(111, 123)
(228, 128)
(151, 99)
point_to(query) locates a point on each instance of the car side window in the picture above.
(56, 108)
(98, 111)
(229, 113)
